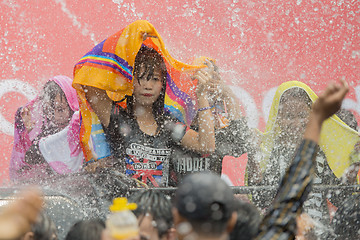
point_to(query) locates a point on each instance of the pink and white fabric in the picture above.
(23, 139)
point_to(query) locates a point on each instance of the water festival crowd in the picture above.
(145, 135)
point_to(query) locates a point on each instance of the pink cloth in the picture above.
(23, 139)
(62, 150)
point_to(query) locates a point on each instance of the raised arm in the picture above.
(218, 90)
(280, 221)
(100, 103)
(202, 141)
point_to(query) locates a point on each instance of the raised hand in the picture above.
(329, 102)
(208, 80)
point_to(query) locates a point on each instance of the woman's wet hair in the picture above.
(146, 61)
(157, 205)
(296, 93)
(50, 91)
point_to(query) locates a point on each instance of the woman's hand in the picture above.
(106, 162)
(329, 102)
(208, 81)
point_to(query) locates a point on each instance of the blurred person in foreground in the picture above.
(86, 230)
(248, 221)
(154, 215)
(43, 229)
(17, 218)
(204, 207)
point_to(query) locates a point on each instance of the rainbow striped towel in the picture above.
(109, 66)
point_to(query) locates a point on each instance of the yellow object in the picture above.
(124, 235)
(337, 140)
(122, 223)
(121, 204)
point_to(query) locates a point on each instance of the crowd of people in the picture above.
(134, 112)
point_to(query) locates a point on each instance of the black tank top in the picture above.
(138, 154)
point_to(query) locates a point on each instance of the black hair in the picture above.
(247, 223)
(150, 59)
(44, 228)
(158, 205)
(297, 93)
(86, 230)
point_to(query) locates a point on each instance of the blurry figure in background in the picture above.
(204, 207)
(154, 215)
(351, 173)
(349, 118)
(280, 221)
(17, 218)
(47, 115)
(202, 200)
(86, 230)
(130, 99)
(43, 229)
(232, 134)
(284, 130)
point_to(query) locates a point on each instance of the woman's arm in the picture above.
(202, 141)
(100, 103)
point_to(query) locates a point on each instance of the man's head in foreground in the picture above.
(204, 207)
(154, 215)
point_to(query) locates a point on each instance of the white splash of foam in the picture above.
(82, 27)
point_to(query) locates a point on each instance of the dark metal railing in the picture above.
(254, 189)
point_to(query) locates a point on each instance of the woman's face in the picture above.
(146, 92)
(292, 118)
(61, 117)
